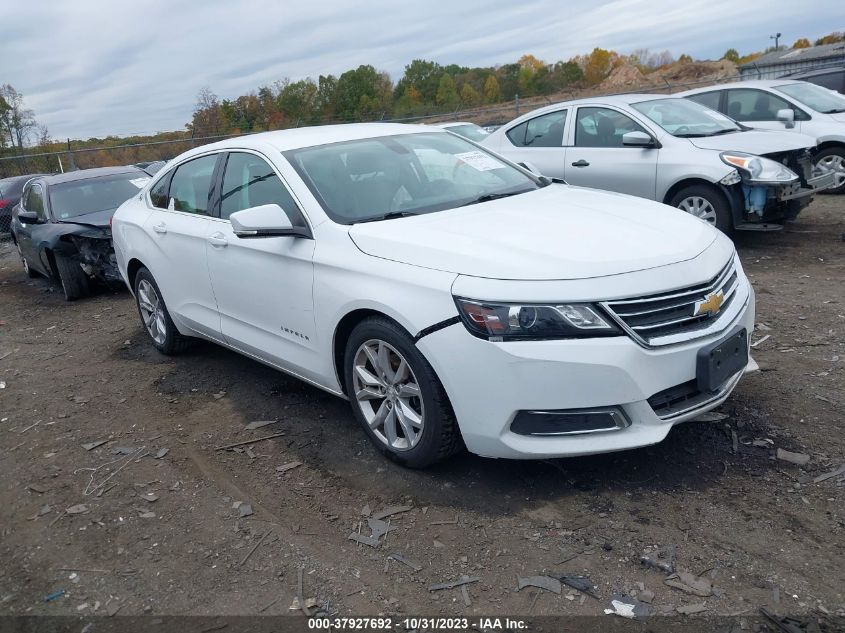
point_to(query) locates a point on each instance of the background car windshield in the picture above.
(684, 118)
(818, 98)
(72, 199)
(407, 173)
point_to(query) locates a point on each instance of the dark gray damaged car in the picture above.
(62, 225)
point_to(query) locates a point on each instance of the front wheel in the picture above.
(706, 203)
(75, 283)
(833, 159)
(166, 338)
(397, 397)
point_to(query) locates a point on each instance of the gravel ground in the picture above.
(152, 533)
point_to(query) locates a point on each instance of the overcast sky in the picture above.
(99, 67)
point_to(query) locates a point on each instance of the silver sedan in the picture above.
(671, 150)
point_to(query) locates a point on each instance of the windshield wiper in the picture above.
(487, 197)
(724, 132)
(691, 135)
(834, 111)
(387, 216)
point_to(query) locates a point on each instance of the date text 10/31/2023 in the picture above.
(418, 624)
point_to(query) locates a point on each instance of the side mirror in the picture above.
(267, 220)
(28, 217)
(787, 117)
(637, 139)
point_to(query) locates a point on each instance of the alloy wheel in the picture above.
(836, 164)
(152, 311)
(699, 207)
(388, 394)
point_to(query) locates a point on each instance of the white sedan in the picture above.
(454, 298)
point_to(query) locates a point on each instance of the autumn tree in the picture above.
(802, 42)
(732, 55)
(491, 92)
(208, 118)
(831, 38)
(470, 96)
(597, 65)
(685, 59)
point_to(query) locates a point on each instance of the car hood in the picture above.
(557, 232)
(99, 219)
(838, 116)
(758, 142)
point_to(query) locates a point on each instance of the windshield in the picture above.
(470, 131)
(72, 199)
(813, 96)
(686, 119)
(407, 174)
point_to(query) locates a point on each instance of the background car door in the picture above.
(539, 141)
(598, 159)
(178, 229)
(759, 108)
(263, 285)
(32, 200)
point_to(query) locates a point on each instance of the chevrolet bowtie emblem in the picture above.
(711, 304)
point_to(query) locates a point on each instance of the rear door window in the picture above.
(190, 186)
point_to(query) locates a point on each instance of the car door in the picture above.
(263, 285)
(178, 229)
(539, 142)
(32, 200)
(599, 159)
(759, 108)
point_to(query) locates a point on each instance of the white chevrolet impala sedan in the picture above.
(452, 297)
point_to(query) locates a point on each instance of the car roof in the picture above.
(608, 100)
(453, 124)
(298, 138)
(84, 174)
(751, 83)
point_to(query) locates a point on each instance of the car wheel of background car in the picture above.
(75, 282)
(29, 272)
(833, 159)
(397, 397)
(156, 318)
(706, 203)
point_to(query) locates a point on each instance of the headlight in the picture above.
(508, 321)
(758, 169)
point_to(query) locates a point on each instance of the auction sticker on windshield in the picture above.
(479, 161)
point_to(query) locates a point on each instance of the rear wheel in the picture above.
(706, 203)
(26, 268)
(832, 159)
(75, 283)
(397, 397)
(155, 317)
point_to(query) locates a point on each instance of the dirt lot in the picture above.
(162, 535)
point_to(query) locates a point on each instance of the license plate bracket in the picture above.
(721, 360)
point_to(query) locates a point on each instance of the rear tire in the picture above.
(155, 317)
(833, 159)
(403, 407)
(706, 203)
(75, 283)
(26, 267)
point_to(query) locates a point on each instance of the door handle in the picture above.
(161, 227)
(217, 239)
(581, 163)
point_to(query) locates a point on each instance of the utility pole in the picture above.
(776, 38)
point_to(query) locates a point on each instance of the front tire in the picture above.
(155, 317)
(833, 159)
(75, 283)
(397, 397)
(706, 203)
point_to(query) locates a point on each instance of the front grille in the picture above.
(655, 316)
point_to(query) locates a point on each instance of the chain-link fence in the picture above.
(71, 158)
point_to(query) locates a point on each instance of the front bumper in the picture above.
(489, 383)
(819, 182)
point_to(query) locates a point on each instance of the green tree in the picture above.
(424, 76)
(732, 55)
(470, 96)
(363, 93)
(491, 92)
(685, 59)
(447, 93)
